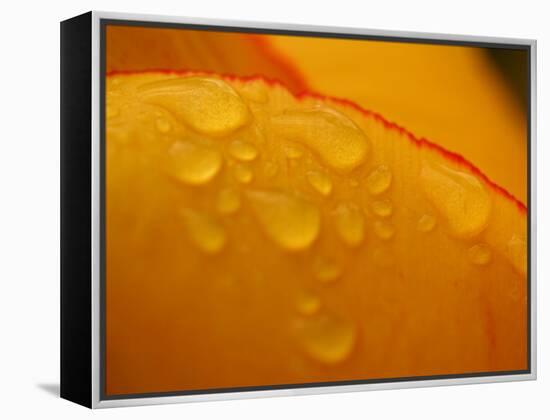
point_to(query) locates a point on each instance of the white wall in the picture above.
(29, 222)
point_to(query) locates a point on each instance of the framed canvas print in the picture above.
(256, 209)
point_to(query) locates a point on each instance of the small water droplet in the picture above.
(205, 232)
(426, 223)
(479, 254)
(327, 338)
(460, 197)
(382, 208)
(194, 164)
(320, 182)
(353, 183)
(334, 137)
(289, 220)
(270, 169)
(308, 303)
(208, 105)
(350, 224)
(292, 151)
(163, 125)
(516, 251)
(242, 150)
(326, 271)
(243, 173)
(383, 229)
(229, 201)
(379, 180)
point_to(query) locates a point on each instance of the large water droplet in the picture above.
(194, 164)
(331, 135)
(460, 197)
(320, 182)
(289, 220)
(426, 223)
(350, 224)
(327, 338)
(209, 106)
(379, 180)
(479, 254)
(228, 201)
(205, 232)
(242, 150)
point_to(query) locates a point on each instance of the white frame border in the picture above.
(95, 190)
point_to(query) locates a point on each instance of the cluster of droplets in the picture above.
(291, 220)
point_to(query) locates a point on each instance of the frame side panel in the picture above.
(76, 319)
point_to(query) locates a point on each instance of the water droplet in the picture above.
(308, 303)
(326, 271)
(479, 254)
(426, 223)
(379, 180)
(327, 338)
(460, 197)
(209, 106)
(350, 224)
(194, 164)
(229, 201)
(289, 220)
(243, 173)
(331, 135)
(205, 232)
(382, 208)
(242, 150)
(292, 151)
(516, 251)
(163, 125)
(320, 182)
(384, 229)
(270, 169)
